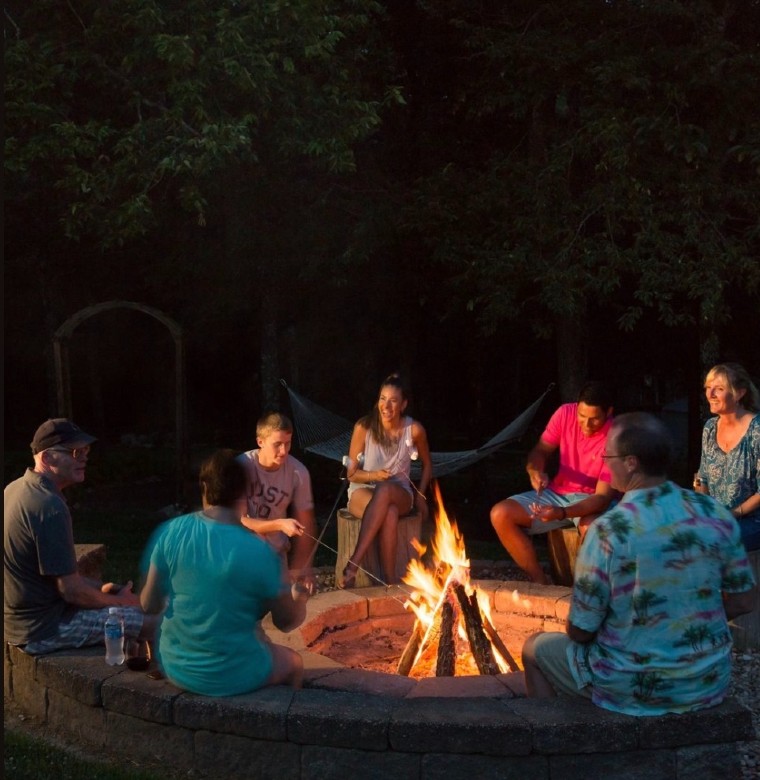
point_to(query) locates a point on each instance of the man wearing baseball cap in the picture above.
(48, 605)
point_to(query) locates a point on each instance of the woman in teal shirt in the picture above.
(214, 580)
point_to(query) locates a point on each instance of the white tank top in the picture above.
(397, 460)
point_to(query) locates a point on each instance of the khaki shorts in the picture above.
(550, 650)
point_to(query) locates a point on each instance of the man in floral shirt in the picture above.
(656, 581)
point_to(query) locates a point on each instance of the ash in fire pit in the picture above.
(377, 644)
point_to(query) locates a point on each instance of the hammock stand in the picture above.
(324, 433)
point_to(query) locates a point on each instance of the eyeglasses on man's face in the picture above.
(605, 456)
(76, 452)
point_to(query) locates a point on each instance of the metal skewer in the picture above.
(368, 573)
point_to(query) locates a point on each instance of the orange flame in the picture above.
(430, 584)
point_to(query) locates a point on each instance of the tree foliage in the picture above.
(595, 154)
(397, 181)
(117, 107)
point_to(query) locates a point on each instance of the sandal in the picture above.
(348, 580)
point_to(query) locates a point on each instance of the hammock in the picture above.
(324, 433)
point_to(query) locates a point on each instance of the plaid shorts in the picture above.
(85, 628)
(548, 497)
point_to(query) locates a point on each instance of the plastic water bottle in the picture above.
(114, 635)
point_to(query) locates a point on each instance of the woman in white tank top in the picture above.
(381, 490)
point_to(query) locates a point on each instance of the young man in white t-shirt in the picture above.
(280, 505)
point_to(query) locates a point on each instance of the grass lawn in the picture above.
(32, 758)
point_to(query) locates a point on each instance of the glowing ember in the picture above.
(453, 632)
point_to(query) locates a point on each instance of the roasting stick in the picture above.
(368, 573)
(318, 539)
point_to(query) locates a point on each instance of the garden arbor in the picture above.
(61, 341)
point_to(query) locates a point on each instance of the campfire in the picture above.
(453, 633)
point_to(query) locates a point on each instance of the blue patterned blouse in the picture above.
(731, 477)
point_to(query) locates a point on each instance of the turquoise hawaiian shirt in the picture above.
(648, 581)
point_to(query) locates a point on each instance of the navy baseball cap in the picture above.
(60, 431)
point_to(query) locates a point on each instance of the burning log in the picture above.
(499, 645)
(448, 613)
(428, 650)
(479, 643)
(410, 651)
(447, 653)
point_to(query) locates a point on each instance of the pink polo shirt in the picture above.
(580, 457)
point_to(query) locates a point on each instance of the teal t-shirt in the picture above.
(218, 578)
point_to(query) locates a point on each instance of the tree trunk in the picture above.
(270, 364)
(51, 319)
(572, 354)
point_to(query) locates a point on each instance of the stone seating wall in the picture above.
(355, 723)
(348, 722)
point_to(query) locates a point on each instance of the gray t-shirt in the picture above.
(272, 493)
(38, 544)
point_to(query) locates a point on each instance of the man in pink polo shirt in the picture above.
(576, 495)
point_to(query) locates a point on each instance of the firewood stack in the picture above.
(438, 644)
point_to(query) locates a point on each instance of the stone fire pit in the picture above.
(352, 722)
(357, 614)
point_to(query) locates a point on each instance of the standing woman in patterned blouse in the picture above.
(731, 447)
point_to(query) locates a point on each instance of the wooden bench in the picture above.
(409, 527)
(746, 629)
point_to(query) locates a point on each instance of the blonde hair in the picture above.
(274, 421)
(737, 378)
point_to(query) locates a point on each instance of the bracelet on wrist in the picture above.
(564, 513)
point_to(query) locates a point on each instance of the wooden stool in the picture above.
(746, 629)
(563, 544)
(409, 527)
